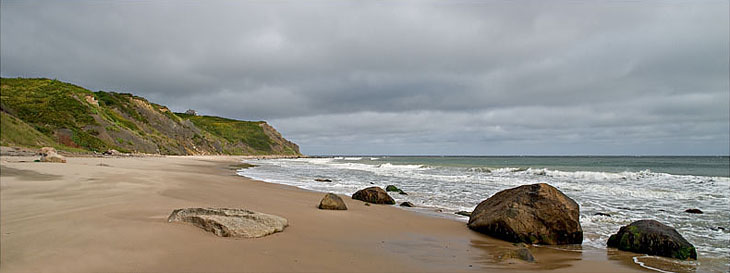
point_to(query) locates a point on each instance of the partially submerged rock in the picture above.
(333, 202)
(392, 188)
(653, 238)
(374, 195)
(602, 214)
(322, 180)
(49, 154)
(407, 204)
(463, 213)
(227, 222)
(694, 211)
(522, 252)
(535, 214)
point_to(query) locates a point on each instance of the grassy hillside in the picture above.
(44, 112)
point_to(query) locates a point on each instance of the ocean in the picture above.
(626, 188)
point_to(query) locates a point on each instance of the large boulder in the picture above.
(333, 202)
(653, 238)
(374, 195)
(48, 154)
(226, 222)
(534, 214)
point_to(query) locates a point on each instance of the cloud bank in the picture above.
(405, 77)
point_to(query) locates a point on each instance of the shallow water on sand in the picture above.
(626, 188)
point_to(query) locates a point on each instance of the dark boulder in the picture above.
(695, 211)
(374, 195)
(602, 214)
(653, 238)
(407, 204)
(535, 214)
(333, 202)
(392, 188)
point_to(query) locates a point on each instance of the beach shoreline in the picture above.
(109, 214)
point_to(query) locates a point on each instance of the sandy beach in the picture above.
(110, 214)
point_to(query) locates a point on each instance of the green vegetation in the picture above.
(15, 132)
(246, 132)
(45, 112)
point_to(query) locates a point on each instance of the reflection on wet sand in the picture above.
(655, 263)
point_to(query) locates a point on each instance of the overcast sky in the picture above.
(405, 77)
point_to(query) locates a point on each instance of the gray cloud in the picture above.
(434, 77)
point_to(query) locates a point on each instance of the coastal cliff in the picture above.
(45, 112)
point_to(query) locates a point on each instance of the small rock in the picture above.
(407, 204)
(227, 222)
(602, 214)
(374, 195)
(322, 180)
(367, 204)
(521, 253)
(524, 254)
(402, 192)
(653, 238)
(694, 211)
(463, 213)
(48, 154)
(112, 152)
(392, 188)
(47, 150)
(332, 202)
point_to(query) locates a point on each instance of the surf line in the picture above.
(636, 260)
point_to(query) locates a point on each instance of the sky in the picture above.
(405, 77)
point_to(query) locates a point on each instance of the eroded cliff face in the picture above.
(75, 118)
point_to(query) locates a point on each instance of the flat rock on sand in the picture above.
(227, 222)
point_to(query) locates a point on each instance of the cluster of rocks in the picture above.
(542, 214)
(49, 154)
(525, 215)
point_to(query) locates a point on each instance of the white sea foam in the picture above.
(626, 196)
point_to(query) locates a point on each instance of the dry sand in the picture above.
(85, 217)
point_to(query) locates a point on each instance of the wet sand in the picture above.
(109, 214)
